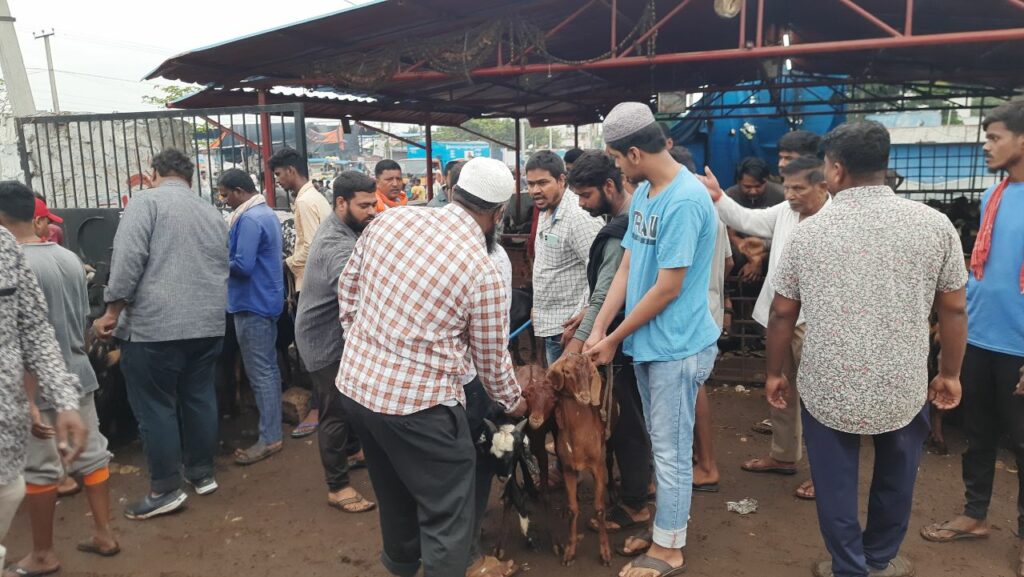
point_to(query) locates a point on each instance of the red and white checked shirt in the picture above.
(418, 291)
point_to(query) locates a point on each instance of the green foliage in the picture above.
(168, 93)
(503, 129)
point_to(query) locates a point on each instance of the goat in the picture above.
(508, 449)
(580, 444)
(117, 422)
(519, 315)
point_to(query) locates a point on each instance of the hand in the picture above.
(776, 389)
(570, 327)
(1019, 391)
(603, 352)
(710, 182)
(751, 272)
(40, 429)
(520, 409)
(573, 346)
(71, 436)
(104, 326)
(944, 392)
(752, 247)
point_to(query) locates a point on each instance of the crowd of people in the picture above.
(407, 350)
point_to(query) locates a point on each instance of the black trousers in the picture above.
(992, 412)
(629, 442)
(479, 406)
(422, 468)
(334, 435)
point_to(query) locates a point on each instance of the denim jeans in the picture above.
(167, 380)
(553, 348)
(668, 390)
(257, 336)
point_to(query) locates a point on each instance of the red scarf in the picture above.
(983, 244)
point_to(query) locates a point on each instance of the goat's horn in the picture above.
(521, 426)
(490, 426)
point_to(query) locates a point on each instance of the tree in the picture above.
(169, 93)
(503, 129)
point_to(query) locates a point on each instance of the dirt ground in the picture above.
(271, 519)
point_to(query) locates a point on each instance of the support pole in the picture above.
(519, 148)
(615, 13)
(430, 161)
(759, 38)
(743, 24)
(49, 67)
(266, 148)
(908, 22)
(19, 92)
(576, 135)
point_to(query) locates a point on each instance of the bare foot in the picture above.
(805, 491)
(702, 476)
(962, 527)
(36, 562)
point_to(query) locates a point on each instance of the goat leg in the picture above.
(570, 476)
(499, 547)
(600, 485)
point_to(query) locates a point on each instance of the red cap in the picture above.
(41, 210)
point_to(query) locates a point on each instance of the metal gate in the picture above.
(98, 160)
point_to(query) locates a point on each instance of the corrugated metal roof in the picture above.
(446, 56)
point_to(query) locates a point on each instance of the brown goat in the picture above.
(580, 442)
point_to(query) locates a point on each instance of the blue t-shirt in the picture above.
(995, 306)
(675, 229)
(256, 281)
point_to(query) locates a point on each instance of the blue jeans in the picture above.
(257, 336)
(553, 348)
(668, 391)
(168, 381)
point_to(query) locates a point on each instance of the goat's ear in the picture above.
(555, 378)
(595, 385)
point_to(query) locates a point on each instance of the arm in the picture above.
(348, 287)
(306, 220)
(610, 259)
(613, 302)
(781, 325)
(944, 390)
(245, 243)
(131, 251)
(755, 222)
(488, 341)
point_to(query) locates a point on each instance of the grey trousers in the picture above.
(10, 497)
(787, 430)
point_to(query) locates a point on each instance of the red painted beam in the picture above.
(655, 28)
(265, 146)
(973, 37)
(908, 22)
(1017, 3)
(760, 24)
(560, 26)
(871, 18)
(743, 24)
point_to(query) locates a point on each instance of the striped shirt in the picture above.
(409, 315)
(560, 289)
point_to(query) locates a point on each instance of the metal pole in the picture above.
(519, 148)
(908, 24)
(49, 65)
(576, 135)
(269, 191)
(13, 67)
(430, 161)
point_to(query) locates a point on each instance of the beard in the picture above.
(355, 225)
(604, 208)
(491, 240)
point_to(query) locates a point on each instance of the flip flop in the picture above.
(763, 428)
(706, 487)
(616, 514)
(304, 430)
(256, 453)
(929, 533)
(663, 568)
(769, 470)
(340, 505)
(23, 572)
(354, 464)
(645, 535)
(801, 491)
(90, 547)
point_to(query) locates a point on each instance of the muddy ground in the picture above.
(271, 519)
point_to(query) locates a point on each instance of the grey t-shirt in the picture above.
(61, 275)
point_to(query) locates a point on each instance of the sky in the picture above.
(102, 49)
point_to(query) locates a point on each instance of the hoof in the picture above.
(557, 549)
(568, 562)
(499, 553)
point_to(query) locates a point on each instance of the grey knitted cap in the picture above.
(625, 119)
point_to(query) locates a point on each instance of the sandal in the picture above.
(256, 453)
(93, 548)
(492, 567)
(305, 429)
(663, 568)
(805, 491)
(23, 572)
(706, 487)
(618, 515)
(342, 503)
(763, 428)
(752, 467)
(647, 536)
(931, 533)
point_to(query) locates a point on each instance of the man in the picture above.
(668, 330)
(409, 321)
(441, 196)
(318, 335)
(806, 194)
(795, 144)
(995, 334)
(255, 300)
(570, 157)
(598, 185)
(61, 277)
(311, 208)
(166, 298)
(390, 191)
(27, 343)
(292, 172)
(866, 274)
(45, 223)
(752, 190)
(565, 233)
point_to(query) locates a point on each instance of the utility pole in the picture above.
(18, 90)
(49, 65)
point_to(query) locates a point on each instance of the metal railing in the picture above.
(99, 160)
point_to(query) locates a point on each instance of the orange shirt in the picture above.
(383, 203)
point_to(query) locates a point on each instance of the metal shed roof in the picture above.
(569, 61)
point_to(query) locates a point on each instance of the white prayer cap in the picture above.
(487, 179)
(626, 119)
